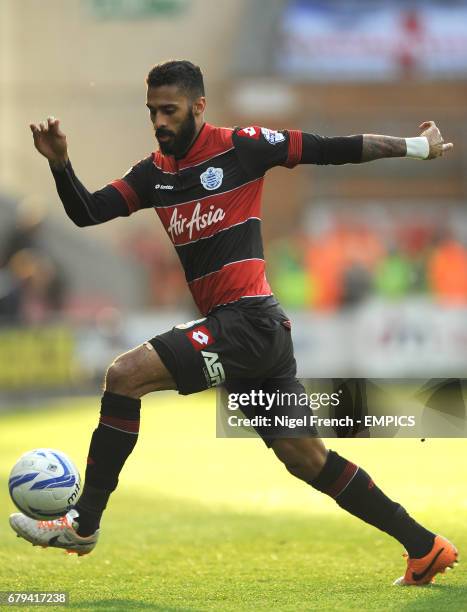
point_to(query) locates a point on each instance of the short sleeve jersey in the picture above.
(210, 205)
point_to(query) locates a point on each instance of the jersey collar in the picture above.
(200, 136)
(195, 154)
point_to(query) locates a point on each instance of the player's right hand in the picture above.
(438, 147)
(50, 141)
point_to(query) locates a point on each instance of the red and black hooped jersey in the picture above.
(209, 203)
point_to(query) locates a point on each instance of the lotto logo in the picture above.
(214, 367)
(200, 337)
(250, 132)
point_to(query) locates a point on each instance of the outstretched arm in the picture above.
(428, 145)
(367, 147)
(82, 207)
(50, 141)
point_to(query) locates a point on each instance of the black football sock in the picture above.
(111, 444)
(354, 491)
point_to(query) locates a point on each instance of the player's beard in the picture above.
(179, 143)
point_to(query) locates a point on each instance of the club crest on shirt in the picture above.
(272, 136)
(212, 178)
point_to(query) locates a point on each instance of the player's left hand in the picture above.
(438, 147)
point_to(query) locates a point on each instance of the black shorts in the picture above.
(243, 346)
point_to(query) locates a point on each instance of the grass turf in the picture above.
(200, 523)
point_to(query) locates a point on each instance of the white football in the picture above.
(44, 483)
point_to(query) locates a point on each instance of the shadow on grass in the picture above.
(126, 604)
(180, 551)
(440, 597)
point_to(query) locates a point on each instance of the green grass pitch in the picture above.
(200, 523)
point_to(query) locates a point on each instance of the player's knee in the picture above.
(303, 458)
(119, 376)
(138, 372)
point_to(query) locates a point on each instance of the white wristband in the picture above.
(417, 148)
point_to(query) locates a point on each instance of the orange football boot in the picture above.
(422, 571)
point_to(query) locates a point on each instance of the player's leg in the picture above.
(130, 377)
(185, 358)
(173, 360)
(354, 490)
(305, 456)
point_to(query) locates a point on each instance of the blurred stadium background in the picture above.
(370, 261)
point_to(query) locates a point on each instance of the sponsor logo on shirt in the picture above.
(200, 337)
(179, 223)
(249, 132)
(212, 178)
(272, 136)
(159, 186)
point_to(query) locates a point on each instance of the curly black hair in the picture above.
(182, 73)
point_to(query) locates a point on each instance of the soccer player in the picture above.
(205, 184)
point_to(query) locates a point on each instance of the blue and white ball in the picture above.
(44, 483)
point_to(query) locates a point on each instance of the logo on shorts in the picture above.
(212, 178)
(200, 337)
(215, 369)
